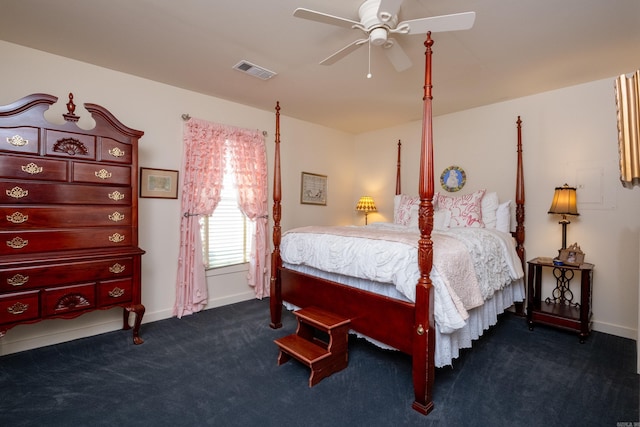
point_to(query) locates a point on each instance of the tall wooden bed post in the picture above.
(519, 233)
(424, 334)
(275, 301)
(398, 168)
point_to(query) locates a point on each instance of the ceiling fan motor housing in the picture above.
(377, 29)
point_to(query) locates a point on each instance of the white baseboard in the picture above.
(617, 330)
(230, 299)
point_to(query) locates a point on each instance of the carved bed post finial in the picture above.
(276, 262)
(71, 108)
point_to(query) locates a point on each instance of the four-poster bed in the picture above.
(407, 325)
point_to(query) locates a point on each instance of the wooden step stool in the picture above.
(324, 358)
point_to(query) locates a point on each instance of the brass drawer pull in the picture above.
(17, 141)
(116, 238)
(117, 152)
(17, 218)
(17, 243)
(117, 268)
(17, 280)
(116, 216)
(32, 168)
(116, 292)
(116, 195)
(18, 308)
(17, 193)
(103, 174)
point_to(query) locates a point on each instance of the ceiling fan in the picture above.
(379, 20)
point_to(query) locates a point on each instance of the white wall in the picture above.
(569, 135)
(156, 109)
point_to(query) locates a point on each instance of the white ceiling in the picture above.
(516, 48)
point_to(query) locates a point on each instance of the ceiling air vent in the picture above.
(254, 70)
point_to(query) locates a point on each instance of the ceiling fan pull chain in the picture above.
(369, 74)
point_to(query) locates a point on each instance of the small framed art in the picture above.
(453, 178)
(158, 183)
(313, 189)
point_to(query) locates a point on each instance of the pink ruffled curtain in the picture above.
(205, 146)
(202, 176)
(249, 163)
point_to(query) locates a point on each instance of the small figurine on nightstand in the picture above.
(572, 255)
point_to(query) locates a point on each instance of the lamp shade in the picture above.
(564, 201)
(366, 204)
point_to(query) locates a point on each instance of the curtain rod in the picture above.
(186, 117)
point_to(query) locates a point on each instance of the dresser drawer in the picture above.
(70, 145)
(23, 242)
(19, 140)
(101, 173)
(33, 168)
(68, 299)
(49, 274)
(115, 151)
(24, 192)
(114, 292)
(26, 218)
(19, 307)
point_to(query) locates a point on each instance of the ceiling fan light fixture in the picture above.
(378, 36)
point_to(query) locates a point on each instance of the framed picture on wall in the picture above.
(158, 183)
(313, 189)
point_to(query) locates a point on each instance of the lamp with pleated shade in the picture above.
(564, 203)
(366, 205)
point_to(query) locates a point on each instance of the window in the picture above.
(226, 234)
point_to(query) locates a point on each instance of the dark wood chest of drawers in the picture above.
(68, 215)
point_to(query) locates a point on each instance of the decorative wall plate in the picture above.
(453, 178)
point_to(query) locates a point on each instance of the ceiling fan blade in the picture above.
(343, 52)
(388, 9)
(453, 22)
(325, 18)
(397, 56)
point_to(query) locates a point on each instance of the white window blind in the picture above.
(226, 234)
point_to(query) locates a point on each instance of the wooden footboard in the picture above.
(382, 318)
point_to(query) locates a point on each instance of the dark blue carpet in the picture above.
(219, 368)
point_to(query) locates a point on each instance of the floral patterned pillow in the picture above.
(402, 214)
(466, 211)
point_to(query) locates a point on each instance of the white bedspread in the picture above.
(483, 260)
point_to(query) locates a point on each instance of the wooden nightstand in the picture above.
(559, 309)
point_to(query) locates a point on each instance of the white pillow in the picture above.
(414, 213)
(489, 206)
(396, 205)
(402, 212)
(441, 218)
(465, 210)
(503, 217)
